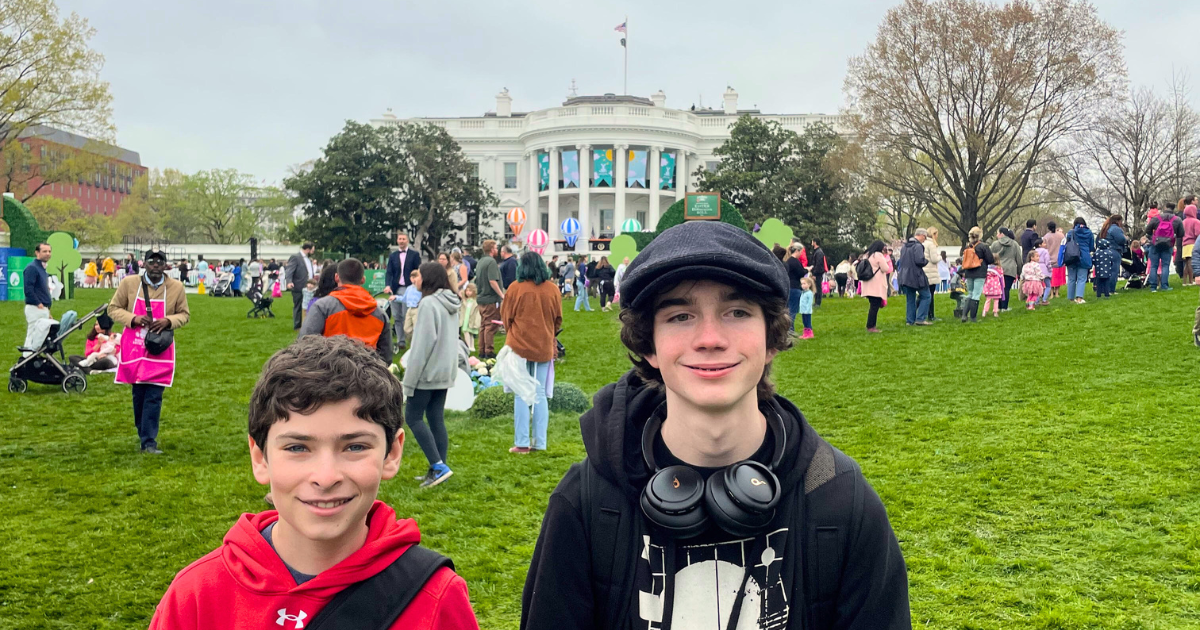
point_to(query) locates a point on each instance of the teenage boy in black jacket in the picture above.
(706, 500)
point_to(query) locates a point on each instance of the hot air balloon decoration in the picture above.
(537, 240)
(570, 231)
(631, 225)
(516, 220)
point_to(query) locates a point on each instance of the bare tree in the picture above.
(971, 97)
(1184, 170)
(1121, 162)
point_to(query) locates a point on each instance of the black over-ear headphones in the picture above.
(740, 499)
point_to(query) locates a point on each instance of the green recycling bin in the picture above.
(16, 277)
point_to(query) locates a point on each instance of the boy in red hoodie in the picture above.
(325, 430)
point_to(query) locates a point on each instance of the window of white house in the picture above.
(641, 218)
(711, 165)
(510, 175)
(606, 220)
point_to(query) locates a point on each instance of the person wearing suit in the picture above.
(296, 273)
(400, 264)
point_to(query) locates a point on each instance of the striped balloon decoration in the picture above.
(516, 220)
(570, 231)
(631, 225)
(537, 240)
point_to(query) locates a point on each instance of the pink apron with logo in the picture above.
(138, 366)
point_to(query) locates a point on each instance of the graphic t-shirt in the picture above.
(710, 570)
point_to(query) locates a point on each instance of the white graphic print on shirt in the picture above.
(707, 579)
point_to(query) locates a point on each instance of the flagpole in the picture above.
(625, 84)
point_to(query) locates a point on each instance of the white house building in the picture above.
(599, 159)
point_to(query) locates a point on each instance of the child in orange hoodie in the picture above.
(325, 431)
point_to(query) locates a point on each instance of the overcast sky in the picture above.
(262, 85)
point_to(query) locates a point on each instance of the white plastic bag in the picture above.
(512, 371)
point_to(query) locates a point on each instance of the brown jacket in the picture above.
(532, 313)
(121, 306)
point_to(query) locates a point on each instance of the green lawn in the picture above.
(1040, 470)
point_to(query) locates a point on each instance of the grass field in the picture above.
(1040, 470)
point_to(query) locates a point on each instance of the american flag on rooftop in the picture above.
(620, 27)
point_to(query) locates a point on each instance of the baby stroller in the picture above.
(41, 366)
(1134, 266)
(562, 350)
(224, 285)
(262, 302)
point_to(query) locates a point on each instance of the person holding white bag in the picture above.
(532, 315)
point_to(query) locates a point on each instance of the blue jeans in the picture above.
(1076, 281)
(541, 410)
(807, 319)
(975, 288)
(916, 301)
(794, 304)
(1163, 280)
(581, 296)
(147, 408)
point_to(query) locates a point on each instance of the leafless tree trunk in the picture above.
(971, 97)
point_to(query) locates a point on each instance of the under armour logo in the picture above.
(284, 617)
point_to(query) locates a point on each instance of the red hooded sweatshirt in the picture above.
(244, 585)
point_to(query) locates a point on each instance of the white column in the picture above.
(553, 208)
(531, 209)
(680, 174)
(585, 193)
(622, 172)
(655, 182)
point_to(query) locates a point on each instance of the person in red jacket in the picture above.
(324, 432)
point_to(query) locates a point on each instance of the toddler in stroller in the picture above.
(1133, 264)
(41, 365)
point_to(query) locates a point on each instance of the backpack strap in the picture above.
(376, 602)
(613, 531)
(827, 530)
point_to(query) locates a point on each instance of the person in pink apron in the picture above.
(149, 374)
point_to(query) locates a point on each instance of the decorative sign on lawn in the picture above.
(702, 206)
(375, 280)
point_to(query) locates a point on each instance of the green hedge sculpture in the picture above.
(24, 229)
(674, 216)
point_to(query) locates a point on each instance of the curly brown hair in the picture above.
(637, 333)
(315, 371)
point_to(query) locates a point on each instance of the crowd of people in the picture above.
(692, 450)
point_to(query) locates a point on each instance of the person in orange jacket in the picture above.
(350, 310)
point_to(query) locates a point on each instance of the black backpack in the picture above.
(864, 269)
(1071, 253)
(614, 525)
(376, 602)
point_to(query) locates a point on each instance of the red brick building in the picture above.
(102, 190)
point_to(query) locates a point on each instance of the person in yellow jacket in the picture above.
(108, 271)
(91, 274)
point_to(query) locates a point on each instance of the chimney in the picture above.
(504, 104)
(730, 101)
(658, 98)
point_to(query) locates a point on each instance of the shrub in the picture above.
(674, 216)
(491, 403)
(569, 397)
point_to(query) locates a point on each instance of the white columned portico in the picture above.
(533, 207)
(622, 172)
(680, 174)
(655, 184)
(553, 208)
(585, 194)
